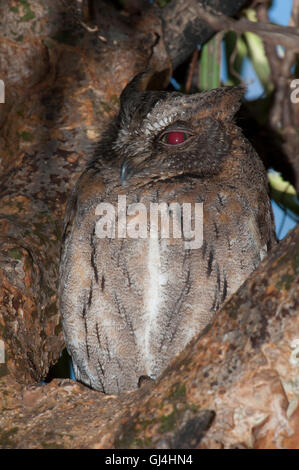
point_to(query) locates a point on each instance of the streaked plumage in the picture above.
(130, 305)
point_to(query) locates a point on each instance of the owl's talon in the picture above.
(143, 380)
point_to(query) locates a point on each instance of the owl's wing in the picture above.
(70, 213)
(77, 269)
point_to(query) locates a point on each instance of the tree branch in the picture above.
(284, 35)
(235, 386)
(184, 28)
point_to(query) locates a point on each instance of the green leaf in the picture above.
(163, 3)
(237, 46)
(257, 55)
(284, 194)
(209, 63)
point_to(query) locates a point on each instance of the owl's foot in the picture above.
(143, 380)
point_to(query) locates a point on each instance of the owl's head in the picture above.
(165, 134)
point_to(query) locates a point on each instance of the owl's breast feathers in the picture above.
(130, 305)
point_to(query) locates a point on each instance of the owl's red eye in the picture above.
(175, 138)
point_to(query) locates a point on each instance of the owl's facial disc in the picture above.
(176, 136)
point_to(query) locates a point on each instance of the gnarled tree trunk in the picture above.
(63, 78)
(234, 387)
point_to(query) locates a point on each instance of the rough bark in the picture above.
(236, 386)
(62, 85)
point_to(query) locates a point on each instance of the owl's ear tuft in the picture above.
(231, 100)
(139, 96)
(132, 94)
(146, 80)
(137, 84)
(224, 101)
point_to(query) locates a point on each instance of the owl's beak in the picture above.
(126, 172)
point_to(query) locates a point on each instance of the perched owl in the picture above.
(164, 224)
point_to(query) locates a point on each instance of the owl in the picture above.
(167, 220)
